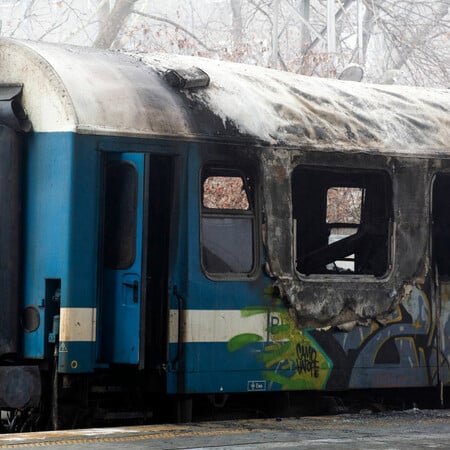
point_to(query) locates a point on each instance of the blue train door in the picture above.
(122, 258)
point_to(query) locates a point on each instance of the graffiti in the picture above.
(307, 361)
(400, 351)
(291, 358)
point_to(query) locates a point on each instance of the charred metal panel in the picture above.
(10, 228)
(69, 88)
(278, 205)
(12, 120)
(320, 300)
(280, 108)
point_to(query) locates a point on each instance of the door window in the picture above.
(121, 184)
(227, 222)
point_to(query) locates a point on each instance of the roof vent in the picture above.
(353, 72)
(192, 78)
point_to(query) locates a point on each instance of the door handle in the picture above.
(135, 286)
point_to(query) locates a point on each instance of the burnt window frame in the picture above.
(347, 177)
(121, 263)
(440, 224)
(248, 175)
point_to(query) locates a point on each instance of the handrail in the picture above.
(181, 302)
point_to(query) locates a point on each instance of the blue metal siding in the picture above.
(46, 225)
(200, 291)
(84, 225)
(209, 365)
(82, 258)
(61, 232)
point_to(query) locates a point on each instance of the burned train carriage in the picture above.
(128, 270)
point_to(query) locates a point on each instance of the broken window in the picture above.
(227, 222)
(342, 220)
(441, 224)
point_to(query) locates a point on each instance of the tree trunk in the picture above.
(236, 10)
(368, 26)
(111, 25)
(305, 8)
(275, 39)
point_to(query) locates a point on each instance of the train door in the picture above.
(441, 265)
(138, 193)
(122, 257)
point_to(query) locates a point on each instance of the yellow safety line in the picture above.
(173, 432)
(139, 437)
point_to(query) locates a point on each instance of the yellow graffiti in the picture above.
(291, 357)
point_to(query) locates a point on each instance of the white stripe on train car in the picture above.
(216, 325)
(78, 324)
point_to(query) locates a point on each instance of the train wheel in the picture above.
(32, 423)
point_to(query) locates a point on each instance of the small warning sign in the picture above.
(62, 347)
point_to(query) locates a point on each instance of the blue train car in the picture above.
(174, 227)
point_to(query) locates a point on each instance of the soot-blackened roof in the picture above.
(87, 90)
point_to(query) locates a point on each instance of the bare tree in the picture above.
(113, 22)
(416, 38)
(406, 40)
(237, 25)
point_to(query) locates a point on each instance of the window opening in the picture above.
(344, 205)
(121, 185)
(342, 221)
(225, 193)
(344, 218)
(441, 224)
(227, 222)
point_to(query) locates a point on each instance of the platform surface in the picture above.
(413, 429)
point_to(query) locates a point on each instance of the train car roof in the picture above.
(85, 90)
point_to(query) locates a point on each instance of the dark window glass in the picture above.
(227, 223)
(120, 215)
(342, 220)
(227, 244)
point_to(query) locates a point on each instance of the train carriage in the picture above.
(129, 274)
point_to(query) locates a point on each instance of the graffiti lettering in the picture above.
(307, 361)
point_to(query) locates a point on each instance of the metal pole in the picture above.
(359, 7)
(306, 35)
(275, 44)
(331, 26)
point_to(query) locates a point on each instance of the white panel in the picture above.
(78, 324)
(215, 326)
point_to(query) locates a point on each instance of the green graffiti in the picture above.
(241, 340)
(290, 357)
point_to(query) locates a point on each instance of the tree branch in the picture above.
(176, 25)
(321, 35)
